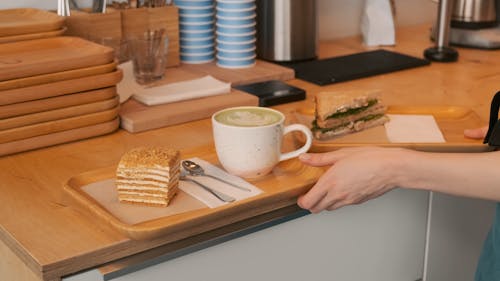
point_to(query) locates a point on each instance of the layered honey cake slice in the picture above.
(148, 176)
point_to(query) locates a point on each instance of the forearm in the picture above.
(463, 174)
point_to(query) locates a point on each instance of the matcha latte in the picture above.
(248, 117)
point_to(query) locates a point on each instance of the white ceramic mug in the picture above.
(248, 139)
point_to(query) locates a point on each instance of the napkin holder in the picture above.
(493, 136)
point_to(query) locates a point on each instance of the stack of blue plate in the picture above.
(196, 29)
(235, 32)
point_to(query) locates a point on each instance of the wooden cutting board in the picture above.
(29, 107)
(49, 55)
(51, 127)
(261, 71)
(59, 137)
(57, 76)
(137, 117)
(28, 20)
(58, 114)
(60, 88)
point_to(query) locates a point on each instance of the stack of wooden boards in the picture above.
(56, 90)
(28, 24)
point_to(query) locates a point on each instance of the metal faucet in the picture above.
(441, 52)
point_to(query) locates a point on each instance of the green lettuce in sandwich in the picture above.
(344, 112)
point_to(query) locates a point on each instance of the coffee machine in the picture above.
(475, 23)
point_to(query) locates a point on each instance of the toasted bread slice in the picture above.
(328, 103)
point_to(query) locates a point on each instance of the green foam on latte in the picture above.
(248, 117)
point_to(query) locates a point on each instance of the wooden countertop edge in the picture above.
(113, 268)
(21, 252)
(132, 247)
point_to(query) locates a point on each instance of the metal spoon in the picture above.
(221, 196)
(196, 170)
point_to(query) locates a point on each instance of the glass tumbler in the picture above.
(148, 53)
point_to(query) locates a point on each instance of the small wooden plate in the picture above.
(48, 55)
(59, 137)
(58, 114)
(51, 103)
(60, 88)
(28, 20)
(57, 76)
(452, 121)
(31, 36)
(55, 126)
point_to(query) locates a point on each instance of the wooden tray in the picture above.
(28, 20)
(288, 180)
(60, 88)
(58, 138)
(137, 117)
(30, 107)
(57, 76)
(49, 55)
(31, 36)
(51, 127)
(262, 71)
(452, 121)
(58, 114)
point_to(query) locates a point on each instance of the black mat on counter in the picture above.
(273, 92)
(360, 65)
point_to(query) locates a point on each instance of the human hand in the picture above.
(477, 133)
(355, 176)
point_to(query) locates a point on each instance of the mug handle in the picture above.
(304, 148)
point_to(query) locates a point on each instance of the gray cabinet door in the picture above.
(458, 227)
(381, 240)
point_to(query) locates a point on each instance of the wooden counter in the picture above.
(43, 239)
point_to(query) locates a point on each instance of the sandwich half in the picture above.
(340, 113)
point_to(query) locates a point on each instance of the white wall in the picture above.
(337, 18)
(341, 18)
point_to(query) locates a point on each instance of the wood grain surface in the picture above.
(296, 174)
(48, 104)
(137, 117)
(58, 125)
(57, 76)
(60, 88)
(32, 36)
(28, 20)
(262, 71)
(106, 25)
(53, 239)
(58, 114)
(49, 55)
(58, 137)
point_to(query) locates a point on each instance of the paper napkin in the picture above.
(413, 129)
(168, 93)
(207, 198)
(377, 23)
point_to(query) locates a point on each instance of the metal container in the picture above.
(474, 13)
(286, 30)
